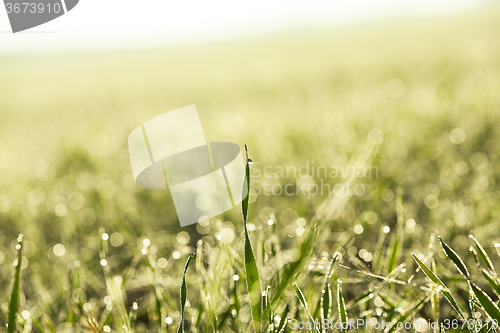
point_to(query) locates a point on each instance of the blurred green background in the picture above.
(431, 85)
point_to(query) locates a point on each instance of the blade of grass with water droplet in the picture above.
(459, 264)
(397, 244)
(283, 319)
(435, 296)
(488, 305)
(16, 289)
(184, 292)
(251, 271)
(268, 311)
(483, 255)
(341, 305)
(327, 292)
(326, 301)
(303, 302)
(394, 254)
(491, 281)
(449, 297)
(133, 314)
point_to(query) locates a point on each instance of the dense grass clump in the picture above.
(416, 103)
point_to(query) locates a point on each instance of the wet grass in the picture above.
(418, 100)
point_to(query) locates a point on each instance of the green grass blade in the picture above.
(326, 298)
(435, 296)
(303, 302)
(16, 288)
(251, 271)
(268, 310)
(283, 319)
(455, 258)
(184, 292)
(474, 255)
(483, 255)
(397, 245)
(449, 297)
(326, 302)
(341, 305)
(491, 281)
(488, 305)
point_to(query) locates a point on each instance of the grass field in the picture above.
(99, 254)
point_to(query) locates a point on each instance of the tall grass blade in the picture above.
(394, 255)
(326, 301)
(397, 245)
(16, 288)
(326, 298)
(283, 319)
(251, 270)
(268, 310)
(449, 297)
(184, 292)
(488, 305)
(491, 281)
(483, 255)
(455, 258)
(303, 302)
(341, 305)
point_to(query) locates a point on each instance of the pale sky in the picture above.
(105, 24)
